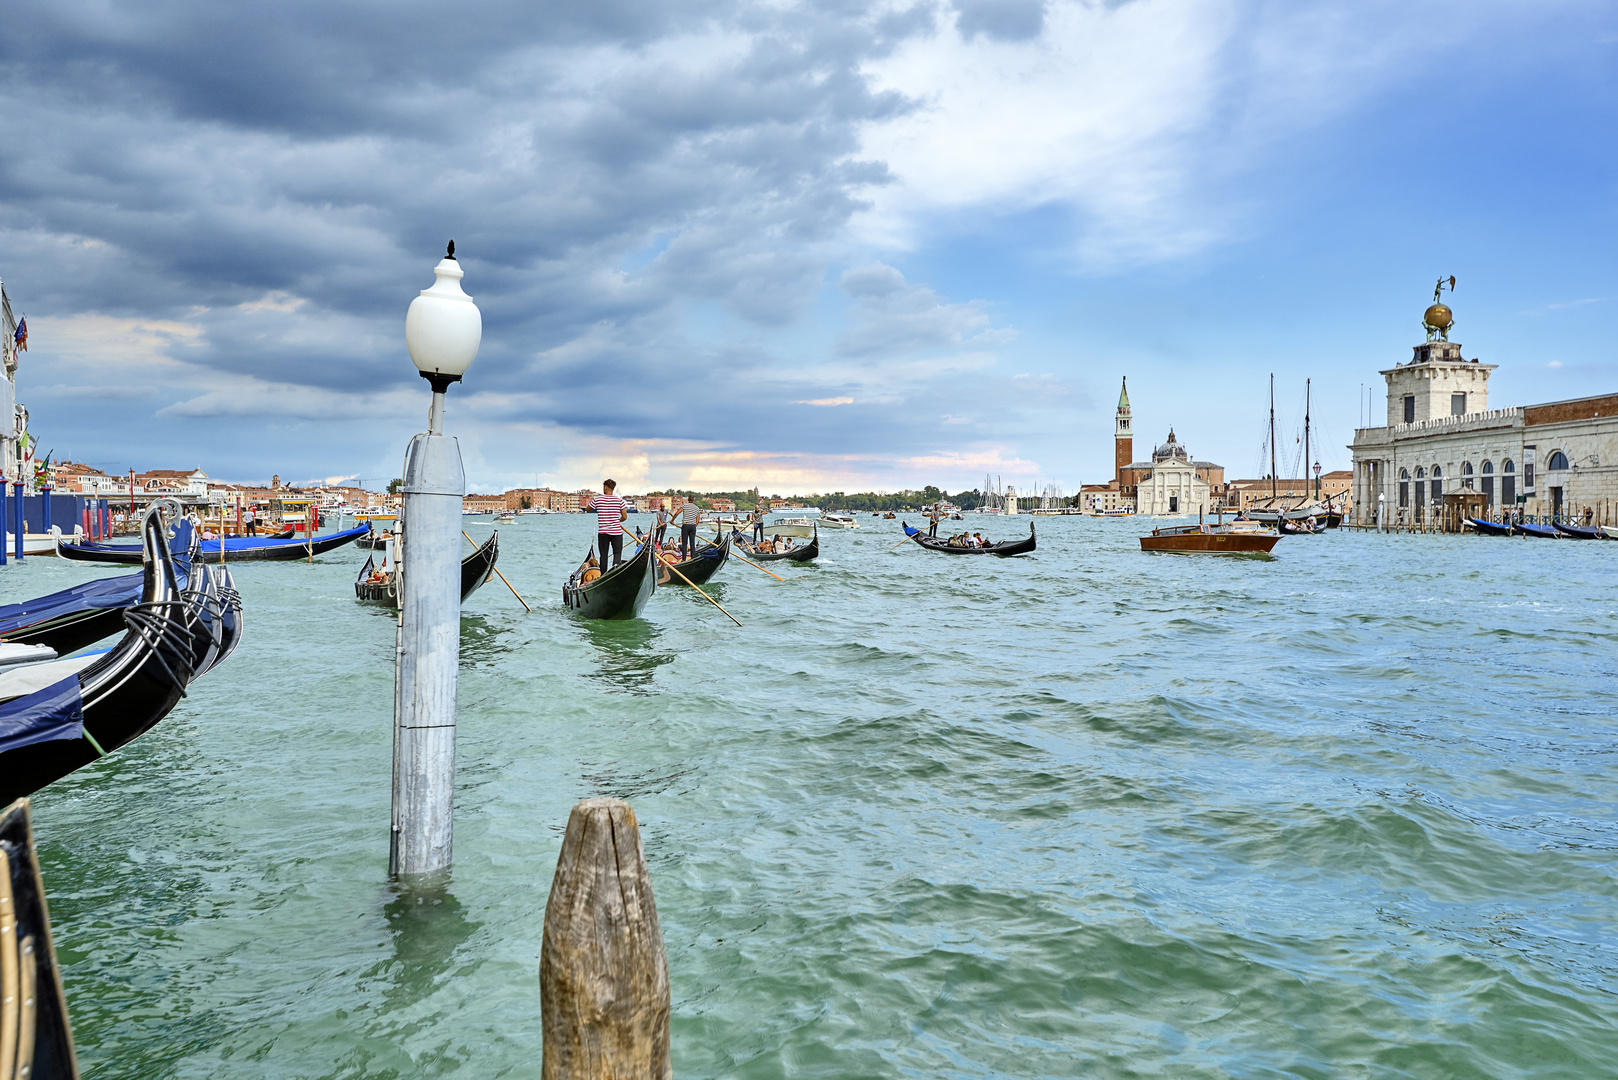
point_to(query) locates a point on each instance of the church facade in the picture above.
(1171, 483)
(1441, 439)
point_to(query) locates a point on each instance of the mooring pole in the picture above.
(443, 330)
(603, 971)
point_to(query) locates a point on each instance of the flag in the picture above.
(22, 335)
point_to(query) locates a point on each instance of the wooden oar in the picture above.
(908, 537)
(694, 585)
(496, 569)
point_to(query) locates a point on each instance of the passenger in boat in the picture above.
(979, 541)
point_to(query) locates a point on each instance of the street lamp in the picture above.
(1317, 480)
(443, 329)
(1381, 506)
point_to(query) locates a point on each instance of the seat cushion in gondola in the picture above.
(27, 679)
(54, 712)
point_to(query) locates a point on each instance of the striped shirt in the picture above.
(689, 514)
(609, 509)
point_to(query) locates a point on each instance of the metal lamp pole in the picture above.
(442, 330)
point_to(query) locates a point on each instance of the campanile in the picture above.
(1123, 439)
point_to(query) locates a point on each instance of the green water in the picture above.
(1092, 813)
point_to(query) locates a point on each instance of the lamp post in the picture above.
(443, 329)
(1317, 480)
(1381, 504)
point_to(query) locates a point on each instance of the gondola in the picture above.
(61, 715)
(620, 593)
(1578, 532)
(476, 569)
(703, 565)
(373, 540)
(1489, 528)
(1296, 527)
(1006, 547)
(237, 548)
(803, 553)
(36, 1039)
(1539, 532)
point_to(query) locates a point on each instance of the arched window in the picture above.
(1508, 483)
(1509, 467)
(1438, 484)
(1404, 474)
(1488, 468)
(1487, 485)
(1421, 473)
(1404, 488)
(1466, 474)
(1558, 461)
(1437, 471)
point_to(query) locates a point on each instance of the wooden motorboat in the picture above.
(1226, 538)
(36, 1040)
(237, 548)
(620, 593)
(802, 553)
(1006, 547)
(382, 587)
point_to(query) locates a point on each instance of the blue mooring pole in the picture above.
(17, 519)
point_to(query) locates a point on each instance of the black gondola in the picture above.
(807, 553)
(1299, 527)
(703, 565)
(373, 540)
(476, 569)
(35, 1036)
(1006, 547)
(237, 548)
(620, 593)
(1578, 532)
(1489, 528)
(61, 715)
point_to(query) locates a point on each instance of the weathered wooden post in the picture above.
(603, 973)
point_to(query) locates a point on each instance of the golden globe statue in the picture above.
(1438, 318)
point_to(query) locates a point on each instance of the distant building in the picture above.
(1441, 438)
(1171, 483)
(723, 505)
(484, 504)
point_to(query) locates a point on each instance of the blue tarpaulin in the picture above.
(56, 712)
(114, 592)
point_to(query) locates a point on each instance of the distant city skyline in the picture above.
(720, 246)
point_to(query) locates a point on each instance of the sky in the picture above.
(804, 247)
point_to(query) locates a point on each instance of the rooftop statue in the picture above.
(1438, 318)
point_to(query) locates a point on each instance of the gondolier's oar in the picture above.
(496, 569)
(908, 537)
(697, 587)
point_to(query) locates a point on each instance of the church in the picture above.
(1172, 483)
(1442, 440)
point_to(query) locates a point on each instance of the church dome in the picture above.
(1171, 450)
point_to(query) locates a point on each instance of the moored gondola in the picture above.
(620, 593)
(382, 587)
(61, 715)
(1489, 528)
(1006, 547)
(36, 1040)
(1578, 532)
(1538, 532)
(803, 553)
(237, 548)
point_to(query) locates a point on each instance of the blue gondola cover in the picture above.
(56, 712)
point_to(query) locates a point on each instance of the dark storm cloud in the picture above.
(282, 176)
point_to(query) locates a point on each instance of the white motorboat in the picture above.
(838, 521)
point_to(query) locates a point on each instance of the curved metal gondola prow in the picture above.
(162, 580)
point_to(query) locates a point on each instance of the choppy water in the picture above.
(1092, 813)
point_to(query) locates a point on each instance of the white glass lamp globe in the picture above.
(443, 327)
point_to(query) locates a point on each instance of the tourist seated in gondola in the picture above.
(592, 570)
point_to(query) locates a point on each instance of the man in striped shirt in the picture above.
(610, 514)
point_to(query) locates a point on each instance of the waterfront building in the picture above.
(1171, 483)
(1442, 439)
(1289, 493)
(13, 415)
(484, 504)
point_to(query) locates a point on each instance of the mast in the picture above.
(1306, 383)
(1272, 438)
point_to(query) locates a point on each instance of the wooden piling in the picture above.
(603, 972)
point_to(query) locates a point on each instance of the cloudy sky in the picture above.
(805, 246)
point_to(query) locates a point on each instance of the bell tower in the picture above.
(1123, 439)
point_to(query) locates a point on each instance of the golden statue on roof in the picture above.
(1438, 319)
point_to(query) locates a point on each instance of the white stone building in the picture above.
(1442, 437)
(1173, 486)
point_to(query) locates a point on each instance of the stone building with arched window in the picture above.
(1441, 438)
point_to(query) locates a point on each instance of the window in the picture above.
(1420, 473)
(1488, 468)
(1508, 483)
(1404, 488)
(1466, 475)
(1410, 408)
(1488, 481)
(1457, 404)
(1508, 467)
(1558, 461)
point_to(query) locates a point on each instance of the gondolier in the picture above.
(610, 515)
(247, 520)
(689, 516)
(758, 523)
(932, 529)
(662, 525)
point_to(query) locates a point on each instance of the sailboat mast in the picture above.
(1306, 383)
(1272, 438)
